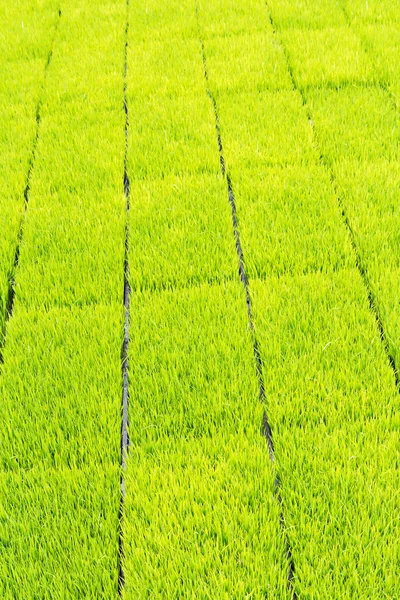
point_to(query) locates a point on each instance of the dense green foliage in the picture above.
(24, 47)
(201, 516)
(331, 396)
(305, 96)
(60, 381)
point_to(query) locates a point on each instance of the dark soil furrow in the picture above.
(125, 344)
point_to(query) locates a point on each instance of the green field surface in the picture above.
(199, 230)
(24, 46)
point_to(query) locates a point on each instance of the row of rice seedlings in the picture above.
(201, 517)
(61, 379)
(76, 199)
(307, 15)
(200, 513)
(180, 229)
(320, 14)
(334, 412)
(24, 51)
(340, 43)
(383, 44)
(373, 12)
(363, 154)
(332, 56)
(179, 220)
(331, 394)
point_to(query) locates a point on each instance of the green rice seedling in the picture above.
(173, 132)
(180, 233)
(28, 33)
(247, 62)
(201, 520)
(327, 57)
(79, 206)
(335, 423)
(82, 166)
(384, 46)
(307, 14)
(192, 364)
(90, 271)
(200, 517)
(172, 136)
(169, 67)
(355, 123)
(151, 20)
(29, 26)
(289, 221)
(264, 129)
(230, 18)
(58, 534)
(370, 193)
(60, 388)
(373, 11)
(74, 231)
(88, 61)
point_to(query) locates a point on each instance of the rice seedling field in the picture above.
(200, 299)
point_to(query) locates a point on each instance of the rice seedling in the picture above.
(180, 232)
(383, 46)
(201, 516)
(274, 205)
(172, 137)
(355, 123)
(329, 56)
(230, 18)
(76, 195)
(336, 424)
(154, 21)
(24, 50)
(56, 528)
(246, 63)
(60, 388)
(265, 129)
(307, 15)
(168, 66)
(373, 11)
